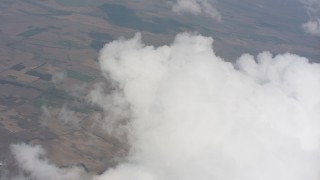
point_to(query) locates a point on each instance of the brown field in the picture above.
(20, 76)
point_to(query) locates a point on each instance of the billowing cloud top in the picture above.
(195, 116)
(196, 7)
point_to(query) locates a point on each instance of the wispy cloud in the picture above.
(68, 117)
(196, 7)
(312, 27)
(33, 164)
(59, 77)
(313, 9)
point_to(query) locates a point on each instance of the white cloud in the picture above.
(312, 4)
(68, 117)
(65, 116)
(196, 7)
(195, 116)
(33, 165)
(59, 77)
(313, 9)
(116, 110)
(312, 27)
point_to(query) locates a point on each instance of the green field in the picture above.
(79, 76)
(32, 32)
(11, 77)
(99, 39)
(65, 43)
(80, 3)
(52, 97)
(48, 100)
(84, 109)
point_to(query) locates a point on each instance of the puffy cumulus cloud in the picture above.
(191, 115)
(196, 7)
(195, 116)
(313, 9)
(33, 165)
